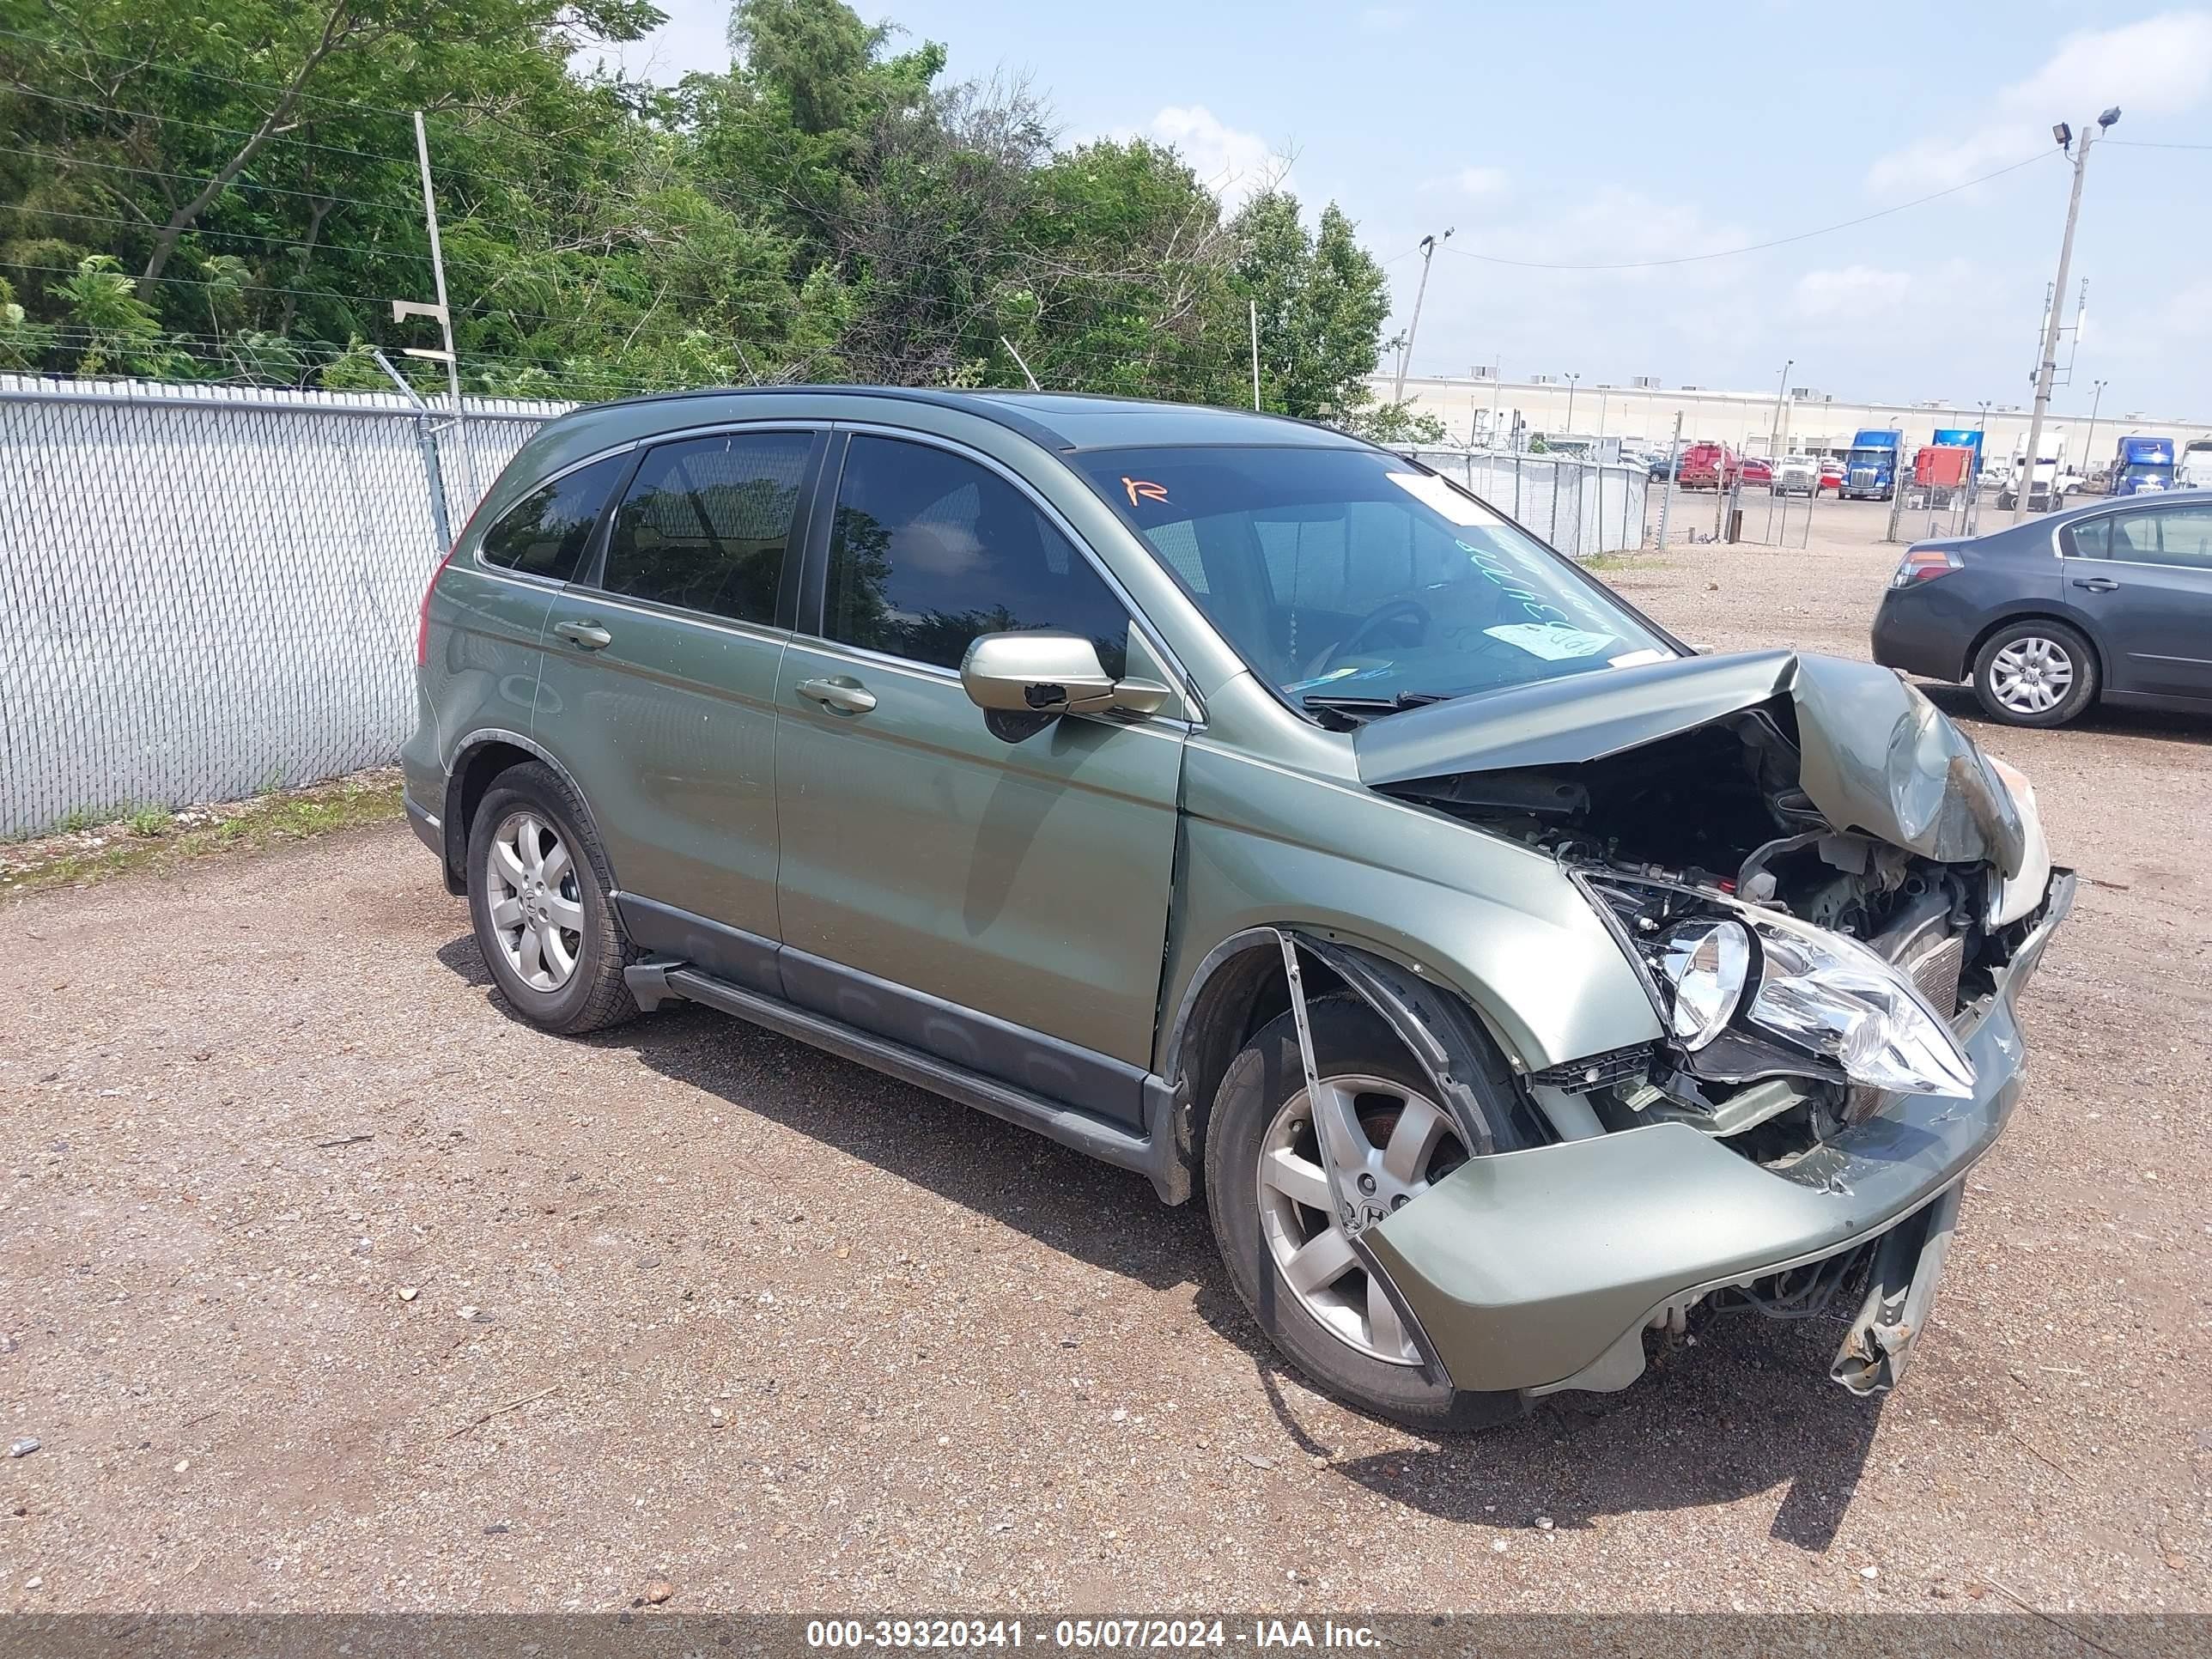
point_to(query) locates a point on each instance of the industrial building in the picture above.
(1486, 411)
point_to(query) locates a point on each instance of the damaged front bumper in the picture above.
(1540, 1270)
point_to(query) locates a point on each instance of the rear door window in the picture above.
(2092, 539)
(546, 532)
(705, 524)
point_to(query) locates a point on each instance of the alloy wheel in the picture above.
(536, 906)
(1411, 1145)
(2032, 675)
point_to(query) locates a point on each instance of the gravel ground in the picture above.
(329, 1286)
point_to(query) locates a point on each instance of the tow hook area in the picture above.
(1907, 1263)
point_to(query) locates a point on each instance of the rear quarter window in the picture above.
(546, 532)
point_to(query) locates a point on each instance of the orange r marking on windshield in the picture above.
(1150, 492)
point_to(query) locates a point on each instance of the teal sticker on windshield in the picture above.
(1553, 641)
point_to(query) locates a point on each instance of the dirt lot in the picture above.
(692, 1303)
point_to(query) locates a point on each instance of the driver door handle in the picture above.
(2096, 584)
(844, 694)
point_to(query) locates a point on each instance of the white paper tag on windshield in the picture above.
(1433, 491)
(1553, 641)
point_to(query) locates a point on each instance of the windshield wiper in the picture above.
(1368, 709)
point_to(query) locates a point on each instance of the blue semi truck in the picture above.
(1873, 468)
(2143, 466)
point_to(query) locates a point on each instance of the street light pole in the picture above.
(1570, 427)
(2047, 366)
(2090, 446)
(1405, 356)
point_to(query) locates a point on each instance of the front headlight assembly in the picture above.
(1821, 993)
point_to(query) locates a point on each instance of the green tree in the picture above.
(242, 174)
(1321, 300)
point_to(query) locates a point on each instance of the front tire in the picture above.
(538, 888)
(1292, 1266)
(2035, 673)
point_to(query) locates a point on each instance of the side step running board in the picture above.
(652, 982)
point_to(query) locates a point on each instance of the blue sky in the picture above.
(1587, 133)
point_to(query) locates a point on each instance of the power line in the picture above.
(37, 153)
(1754, 247)
(2144, 143)
(66, 47)
(198, 126)
(62, 47)
(290, 243)
(287, 137)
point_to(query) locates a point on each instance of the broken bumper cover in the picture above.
(1540, 1270)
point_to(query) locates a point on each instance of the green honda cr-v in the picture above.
(1246, 806)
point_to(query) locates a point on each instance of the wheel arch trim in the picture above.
(1422, 1011)
(456, 827)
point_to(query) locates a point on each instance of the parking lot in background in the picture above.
(335, 1287)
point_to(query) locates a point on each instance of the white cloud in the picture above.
(1611, 224)
(1854, 290)
(2159, 66)
(1479, 181)
(1234, 165)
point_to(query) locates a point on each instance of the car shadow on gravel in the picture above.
(2105, 719)
(1745, 1406)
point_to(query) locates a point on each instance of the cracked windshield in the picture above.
(1358, 584)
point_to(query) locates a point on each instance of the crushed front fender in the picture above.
(1528, 1268)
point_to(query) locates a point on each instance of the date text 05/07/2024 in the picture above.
(1138, 1635)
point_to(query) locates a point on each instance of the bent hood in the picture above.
(1874, 756)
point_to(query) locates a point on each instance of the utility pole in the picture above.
(402, 309)
(1255, 306)
(1667, 496)
(2089, 447)
(1774, 437)
(2047, 367)
(1568, 429)
(1406, 355)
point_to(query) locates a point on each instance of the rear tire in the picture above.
(538, 888)
(2035, 673)
(1261, 1083)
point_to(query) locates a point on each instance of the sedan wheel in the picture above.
(2036, 672)
(2031, 676)
(1410, 1143)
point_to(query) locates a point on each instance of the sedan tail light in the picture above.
(1922, 564)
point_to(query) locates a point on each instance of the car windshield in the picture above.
(1354, 581)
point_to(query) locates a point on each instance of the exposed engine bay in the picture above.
(1811, 928)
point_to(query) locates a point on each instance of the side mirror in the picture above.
(1048, 674)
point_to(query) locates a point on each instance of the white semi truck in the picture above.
(2046, 488)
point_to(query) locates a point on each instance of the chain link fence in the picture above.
(212, 590)
(1582, 508)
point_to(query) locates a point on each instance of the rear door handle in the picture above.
(2096, 584)
(584, 636)
(844, 694)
